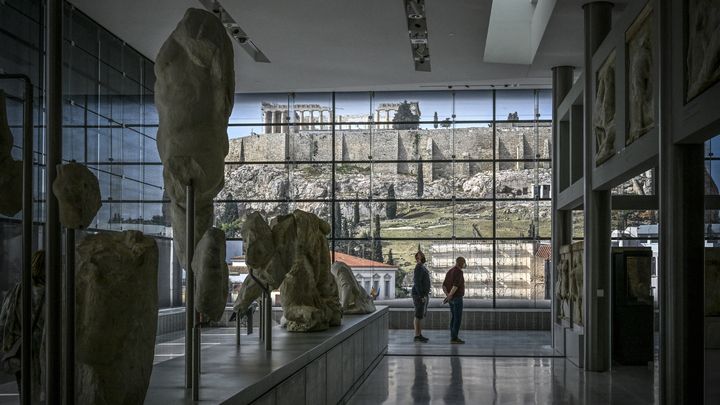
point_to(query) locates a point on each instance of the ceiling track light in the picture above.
(233, 29)
(417, 31)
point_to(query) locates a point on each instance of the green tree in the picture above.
(446, 123)
(356, 211)
(390, 259)
(420, 179)
(400, 291)
(231, 213)
(391, 205)
(337, 221)
(405, 118)
(435, 120)
(377, 244)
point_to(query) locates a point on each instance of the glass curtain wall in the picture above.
(109, 124)
(452, 173)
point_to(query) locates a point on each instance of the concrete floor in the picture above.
(478, 380)
(477, 343)
(493, 367)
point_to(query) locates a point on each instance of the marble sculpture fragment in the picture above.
(194, 94)
(640, 77)
(309, 293)
(78, 193)
(292, 253)
(10, 169)
(703, 54)
(116, 284)
(562, 285)
(576, 282)
(353, 298)
(604, 112)
(211, 275)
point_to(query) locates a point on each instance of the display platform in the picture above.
(318, 368)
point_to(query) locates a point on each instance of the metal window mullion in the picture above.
(494, 202)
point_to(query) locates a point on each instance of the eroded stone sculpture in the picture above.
(194, 94)
(78, 194)
(293, 254)
(269, 253)
(604, 111)
(576, 282)
(562, 285)
(309, 293)
(353, 298)
(211, 275)
(116, 284)
(10, 169)
(703, 55)
(641, 114)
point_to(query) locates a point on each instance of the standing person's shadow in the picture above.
(454, 393)
(420, 391)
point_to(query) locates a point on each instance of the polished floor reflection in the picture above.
(477, 380)
(477, 343)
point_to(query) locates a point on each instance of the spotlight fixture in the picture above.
(418, 33)
(234, 30)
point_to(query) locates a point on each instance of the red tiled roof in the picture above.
(354, 261)
(544, 251)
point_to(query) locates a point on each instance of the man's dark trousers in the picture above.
(456, 308)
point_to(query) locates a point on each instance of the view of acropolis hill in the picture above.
(436, 161)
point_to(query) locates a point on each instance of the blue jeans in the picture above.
(456, 307)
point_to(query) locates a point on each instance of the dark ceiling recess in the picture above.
(417, 30)
(233, 28)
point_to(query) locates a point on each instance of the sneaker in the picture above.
(421, 339)
(457, 341)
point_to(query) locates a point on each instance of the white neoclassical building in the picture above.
(371, 274)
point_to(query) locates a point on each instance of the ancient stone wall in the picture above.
(513, 142)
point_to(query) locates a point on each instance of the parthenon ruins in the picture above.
(314, 117)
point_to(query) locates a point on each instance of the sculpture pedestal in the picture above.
(575, 345)
(559, 339)
(316, 368)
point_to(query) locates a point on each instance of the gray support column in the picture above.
(596, 293)
(681, 244)
(278, 122)
(561, 220)
(268, 121)
(53, 260)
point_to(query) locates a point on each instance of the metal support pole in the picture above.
(26, 275)
(53, 155)
(69, 316)
(250, 321)
(261, 331)
(237, 329)
(197, 329)
(267, 334)
(189, 282)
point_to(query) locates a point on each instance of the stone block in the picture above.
(116, 316)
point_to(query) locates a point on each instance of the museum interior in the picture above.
(224, 202)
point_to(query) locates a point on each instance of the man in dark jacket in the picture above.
(454, 288)
(420, 295)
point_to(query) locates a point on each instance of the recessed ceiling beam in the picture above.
(234, 30)
(515, 30)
